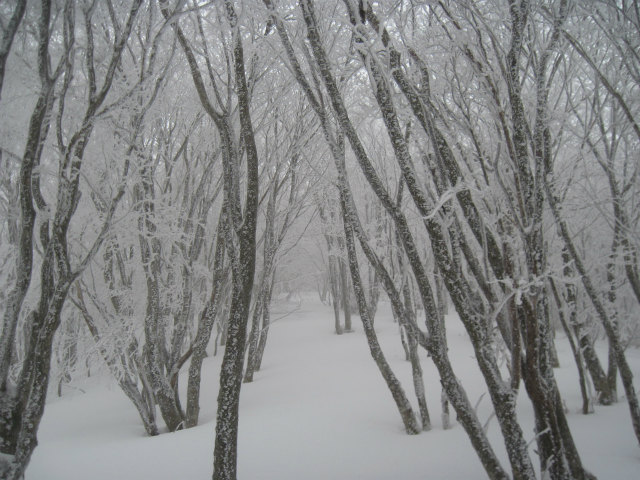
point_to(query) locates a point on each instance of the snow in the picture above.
(318, 409)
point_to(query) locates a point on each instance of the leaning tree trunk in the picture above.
(468, 307)
(412, 336)
(404, 407)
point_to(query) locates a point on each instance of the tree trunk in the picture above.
(450, 383)
(266, 321)
(254, 336)
(154, 331)
(577, 353)
(345, 292)
(205, 327)
(9, 34)
(125, 382)
(226, 442)
(455, 392)
(585, 343)
(404, 407)
(335, 292)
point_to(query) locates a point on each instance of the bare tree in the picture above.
(23, 402)
(242, 222)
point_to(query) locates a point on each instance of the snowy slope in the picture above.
(318, 409)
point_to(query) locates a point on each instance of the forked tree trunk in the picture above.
(467, 307)
(125, 381)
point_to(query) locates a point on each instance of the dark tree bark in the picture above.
(226, 443)
(345, 290)
(9, 34)
(22, 409)
(585, 342)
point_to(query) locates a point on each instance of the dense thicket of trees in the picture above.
(160, 160)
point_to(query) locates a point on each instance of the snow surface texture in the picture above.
(318, 409)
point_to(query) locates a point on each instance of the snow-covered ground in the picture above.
(318, 409)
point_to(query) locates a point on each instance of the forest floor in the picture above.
(318, 409)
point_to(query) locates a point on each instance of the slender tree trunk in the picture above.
(9, 34)
(332, 270)
(404, 407)
(125, 382)
(577, 353)
(264, 286)
(22, 407)
(585, 343)
(254, 335)
(335, 293)
(503, 399)
(612, 370)
(266, 320)
(412, 340)
(345, 294)
(205, 327)
(418, 382)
